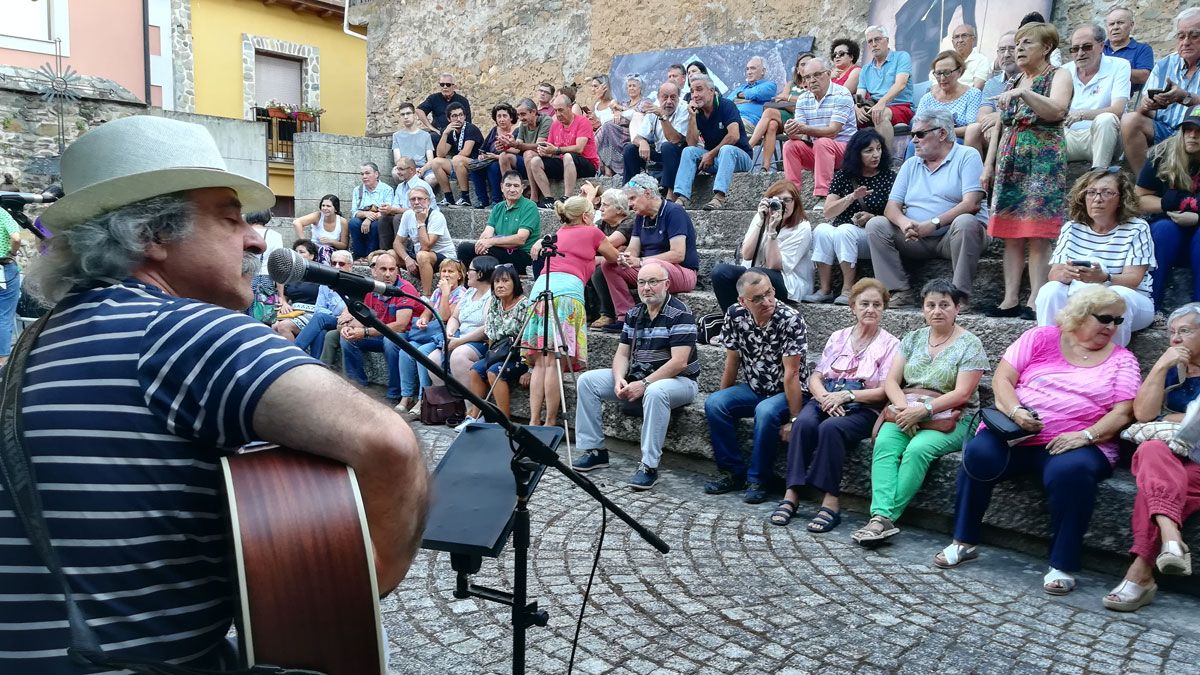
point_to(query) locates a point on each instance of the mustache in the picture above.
(250, 263)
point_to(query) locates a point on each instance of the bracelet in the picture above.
(1015, 408)
(1089, 435)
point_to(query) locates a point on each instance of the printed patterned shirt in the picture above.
(941, 372)
(762, 349)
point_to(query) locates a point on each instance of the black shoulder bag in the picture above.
(19, 480)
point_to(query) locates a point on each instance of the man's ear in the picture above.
(155, 252)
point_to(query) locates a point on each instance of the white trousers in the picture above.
(1139, 308)
(1100, 142)
(844, 243)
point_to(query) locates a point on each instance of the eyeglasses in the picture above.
(814, 76)
(1005, 50)
(1187, 35)
(443, 85)
(762, 297)
(545, 91)
(840, 53)
(647, 283)
(1103, 194)
(873, 40)
(944, 73)
(1109, 318)
(342, 263)
(506, 265)
(1182, 332)
(1085, 47)
(963, 36)
(922, 133)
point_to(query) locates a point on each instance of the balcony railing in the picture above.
(280, 131)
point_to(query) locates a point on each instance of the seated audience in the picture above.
(569, 153)
(950, 94)
(776, 113)
(716, 143)
(326, 227)
(266, 292)
(846, 390)
(458, 147)
(410, 140)
(843, 56)
(405, 173)
(543, 96)
(503, 365)
(661, 230)
(1114, 246)
(975, 69)
(1168, 189)
(602, 109)
(656, 362)
(513, 225)
(1168, 477)
(1121, 44)
(423, 239)
(614, 134)
(935, 209)
(933, 381)
(694, 68)
(1101, 90)
(532, 128)
(858, 192)
(426, 334)
(1071, 388)
(366, 203)
(1173, 87)
(615, 219)
(677, 75)
(1027, 156)
(579, 242)
(750, 96)
(466, 329)
(660, 138)
(329, 307)
(487, 181)
(434, 111)
(766, 344)
(778, 244)
(884, 88)
(300, 296)
(823, 123)
(1006, 63)
(396, 312)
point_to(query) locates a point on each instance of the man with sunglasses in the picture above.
(437, 104)
(656, 363)
(1173, 87)
(1101, 92)
(824, 122)
(766, 343)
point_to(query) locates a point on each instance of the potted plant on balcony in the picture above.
(307, 113)
(278, 109)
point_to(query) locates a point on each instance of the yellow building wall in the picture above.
(217, 28)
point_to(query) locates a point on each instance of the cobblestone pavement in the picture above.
(739, 595)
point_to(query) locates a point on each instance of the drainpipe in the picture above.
(346, 22)
(146, 46)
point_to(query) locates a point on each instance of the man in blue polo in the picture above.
(1120, 43)
(1177, 77)
(655, 364)
(716, 141)
(885, 86)
(750, 97)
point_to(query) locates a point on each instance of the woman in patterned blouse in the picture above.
(505, 315)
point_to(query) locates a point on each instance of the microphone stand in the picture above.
(528, 447)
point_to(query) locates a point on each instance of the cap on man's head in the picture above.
(139, 157)
(1192, 117)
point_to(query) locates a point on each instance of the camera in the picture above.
(774, 204)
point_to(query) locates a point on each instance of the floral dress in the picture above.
(614, 134)
(1030, 190)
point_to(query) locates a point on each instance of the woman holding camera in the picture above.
(778, 244)
(571, 259)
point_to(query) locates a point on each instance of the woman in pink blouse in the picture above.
(847, 390)
(1071, 387)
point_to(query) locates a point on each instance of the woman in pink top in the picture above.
(847, 391)
(1072, 387)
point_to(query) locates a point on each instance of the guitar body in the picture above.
(305, 567)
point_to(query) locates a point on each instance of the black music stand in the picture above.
(485, 493)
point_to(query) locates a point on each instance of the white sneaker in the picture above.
(820, 205)
(465, 423)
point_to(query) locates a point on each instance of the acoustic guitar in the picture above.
(307, 594)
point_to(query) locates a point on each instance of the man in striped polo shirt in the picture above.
(824, 122)
(656, 362)
(143, 377)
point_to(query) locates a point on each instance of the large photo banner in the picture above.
(923, 27)
(726, 63)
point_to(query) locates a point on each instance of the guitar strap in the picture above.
(17, 472)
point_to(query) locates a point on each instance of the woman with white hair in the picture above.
(615, 220)
(614, 134)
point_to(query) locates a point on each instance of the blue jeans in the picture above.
(362, 244)
(730, 158)
(410, 374)
(312, 336)
(352, 361)
(489, 179)
(1173, 245)
(634, 164)
(724, 408)
(9, 296)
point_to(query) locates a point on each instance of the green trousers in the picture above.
(900, 463)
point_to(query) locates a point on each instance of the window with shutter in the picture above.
(276, 78)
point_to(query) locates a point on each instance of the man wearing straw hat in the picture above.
(144, 375)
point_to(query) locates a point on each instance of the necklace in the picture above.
(929, 342)
(859, 345)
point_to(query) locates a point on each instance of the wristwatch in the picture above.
(935, 221)
(1089, 435)
(851, 392)
(929, 408)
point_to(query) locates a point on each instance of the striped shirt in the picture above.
(836, 106)
(130, 398)
(1172, 67)
(675, 326)
(1127, 244)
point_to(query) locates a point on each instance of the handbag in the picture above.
(944, 421)
(439, 406)
(708, 328)
(845, 384)
(498, 351)
(1003, 426)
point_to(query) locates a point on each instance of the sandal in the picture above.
(783, 513)
(715, 204)
(1130, 597)
(602, 322)
(955, 555)
(683, 201)
(1058, 582)
(1175, 558)
(825, 520)
(876, 530)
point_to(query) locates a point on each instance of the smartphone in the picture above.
(1154, 92)
(1081, 263)
(586, 110)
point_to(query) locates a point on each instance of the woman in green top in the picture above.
(10, 281)
(506, 315)
(943, 357)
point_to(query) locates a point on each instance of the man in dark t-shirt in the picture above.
(717, 143)
(434, 110)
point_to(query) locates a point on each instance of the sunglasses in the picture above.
(840, 53)
(922, 133)
(1109, 318)
(341, 263)
(1086, 47)
(445, 84)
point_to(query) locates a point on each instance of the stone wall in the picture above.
(499, 51)
(328, 164)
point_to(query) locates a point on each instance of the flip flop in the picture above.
(783, 514)
(825, 520)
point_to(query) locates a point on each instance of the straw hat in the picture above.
(139, 157)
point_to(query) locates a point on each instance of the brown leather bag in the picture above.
(438, 406)
(944, 424)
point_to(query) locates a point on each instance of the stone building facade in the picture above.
(499, 51)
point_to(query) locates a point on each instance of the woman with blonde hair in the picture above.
(578, 243)
(1166, 192)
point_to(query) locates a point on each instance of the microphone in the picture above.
(285, 266)
(24, 198)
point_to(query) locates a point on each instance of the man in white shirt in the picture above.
(665, 124)
(978, 68)
(1101, 91)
